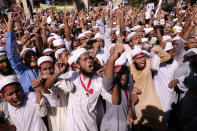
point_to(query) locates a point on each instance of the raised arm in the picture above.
(13, 56)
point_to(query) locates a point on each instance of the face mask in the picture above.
(146, 46)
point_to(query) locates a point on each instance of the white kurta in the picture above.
(82, 111)
(162, 79)
(57, 115)
(26, 118)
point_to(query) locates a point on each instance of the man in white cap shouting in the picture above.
(25, 109)
(148, 110)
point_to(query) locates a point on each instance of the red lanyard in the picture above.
(89, 83)
(128, 98)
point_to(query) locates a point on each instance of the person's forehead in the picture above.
(192, 39)
(84, 55)
(46, 65)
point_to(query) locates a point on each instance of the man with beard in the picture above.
(185, 77)
(25, 68)
(162, 77)
(148, 110)
(82, 109)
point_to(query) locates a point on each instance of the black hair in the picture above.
(123, 71)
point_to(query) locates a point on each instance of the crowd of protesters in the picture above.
(103, 69)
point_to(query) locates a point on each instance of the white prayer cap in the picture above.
(113, 29)
(130, 35)
(135, 52)
(144, 40)
(44, 59)
(62, 25)
(24, 50)
(148, 30)
(8, 80)
(58, 42)
(146, 53)
(176, 38)
(166, 37)
(114, 23)
(89, 23)
(81, 35)
(127, 29)
(2, 49)
(136, 27)
(59, 51)
(19, 42)
(95, 27)
(51, 37)
(168, 46)
(48, 50)
(191, 52)
(3, 53)
(98, 35)
(121, 61)
(49, 20)
(115, 8)
(176, 29)
(75, 55)
(153, 40)
(174, 20)
(88, 32)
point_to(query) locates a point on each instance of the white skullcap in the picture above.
(2, 49)
(58, 42)
(148, 30)
(81, 35)
(95, 27)
(176, 29)
(62, 25)
(166, 37)
(114, 23)
(25, 49)
(144, 40)
(136, 51)
(48, 50)
(8, 80)
(59, 51)
(44, 59)
(153, 40)
(49, 20)
(127, 29)
(3, 53)
(168, 46)
(89, 23)
(121, 61)
(87, 32)
(19, 42)
(136, 27)
(98, 35)
(75, 55)
(130, 35)
(116, 7)
(176, 38)
(146, 53)
(51, 37)
(191, 52)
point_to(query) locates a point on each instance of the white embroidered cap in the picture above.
(8, 80)
(75, 55)
(191, 52)
(48, 50)
(59, 51)
(58, 42)
(130, 35)
(44, 59)
(24, 50)
(168, 46)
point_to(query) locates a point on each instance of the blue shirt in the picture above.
(25, 74)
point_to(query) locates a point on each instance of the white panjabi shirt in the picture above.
(82, 111)
(27, 117)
